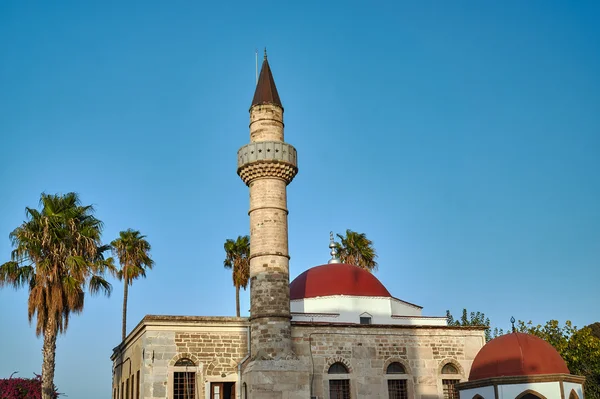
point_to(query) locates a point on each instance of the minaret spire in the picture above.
(266, 91)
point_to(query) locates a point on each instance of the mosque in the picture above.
(334, 332)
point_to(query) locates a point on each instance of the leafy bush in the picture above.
(22, 388)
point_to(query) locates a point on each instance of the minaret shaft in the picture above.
(268, 165)
(266, 123)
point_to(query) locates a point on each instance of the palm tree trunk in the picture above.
(49, 361)
(125, 292)
(237, 301)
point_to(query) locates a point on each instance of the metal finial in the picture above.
(512, 320)
(333, 252)
(265, 53)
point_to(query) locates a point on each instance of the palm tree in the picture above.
(237, 257)
(133, 252)
(57, 254)
(356, 249)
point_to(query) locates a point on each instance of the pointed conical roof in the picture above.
(266, 92)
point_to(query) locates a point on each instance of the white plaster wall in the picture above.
(350, 306)
(400, 308)
(551, 390)
(572, 385)
(404, 321)
(349, 309)
(486, 392)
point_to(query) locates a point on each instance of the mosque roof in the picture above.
(517, 354)
(266, 91)
(336, 279)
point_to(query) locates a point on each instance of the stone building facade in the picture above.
(145, 367)
(149, 362)
(334, 332)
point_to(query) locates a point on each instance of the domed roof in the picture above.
(336, 279)
(516, 354)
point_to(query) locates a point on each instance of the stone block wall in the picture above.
(216, 345)
(368, 350)
(219, 352)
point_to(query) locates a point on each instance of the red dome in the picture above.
(336, 279)
(516, 354)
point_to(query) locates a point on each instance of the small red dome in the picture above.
(516, 354)
(336, 279)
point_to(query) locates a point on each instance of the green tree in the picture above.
(133, 252)
(578, 347)
(473, 319)
(356, 249)
(57, 255)
(595, 327)
(237, 258)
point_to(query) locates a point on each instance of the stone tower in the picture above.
(267, 165)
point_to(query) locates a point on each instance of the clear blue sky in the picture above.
(462, 137)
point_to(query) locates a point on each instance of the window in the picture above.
(366, 318)
(450, 391)
(184, 385)
(338, 368)
(452, 377)
(395, 368)
(184, 362)
(449, 369)
(530, 395)
(184, 381)
(397, 389)
(573, 395)
(139, 384)
(339, 388)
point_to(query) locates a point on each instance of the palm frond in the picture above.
(14, 275)
(97, 284)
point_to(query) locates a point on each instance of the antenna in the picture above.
(256, 54)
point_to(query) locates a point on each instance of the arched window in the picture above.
(478, 396)
(530, 394)
(338, 368)
(395, 368)
(573, 395)
(449, 368)
(339, 388)
(184, 380)
(450, 377)
(397, 388)
(184, 362)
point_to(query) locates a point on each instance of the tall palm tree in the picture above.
(57, 254)
(356, 249)
(133, 252)
(237, 258)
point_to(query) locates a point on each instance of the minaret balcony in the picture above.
(267, 159)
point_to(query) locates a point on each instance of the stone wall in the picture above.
(368, 350)
(216, 345)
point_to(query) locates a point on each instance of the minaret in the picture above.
(267, 165)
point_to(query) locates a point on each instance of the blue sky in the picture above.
(462, 137)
